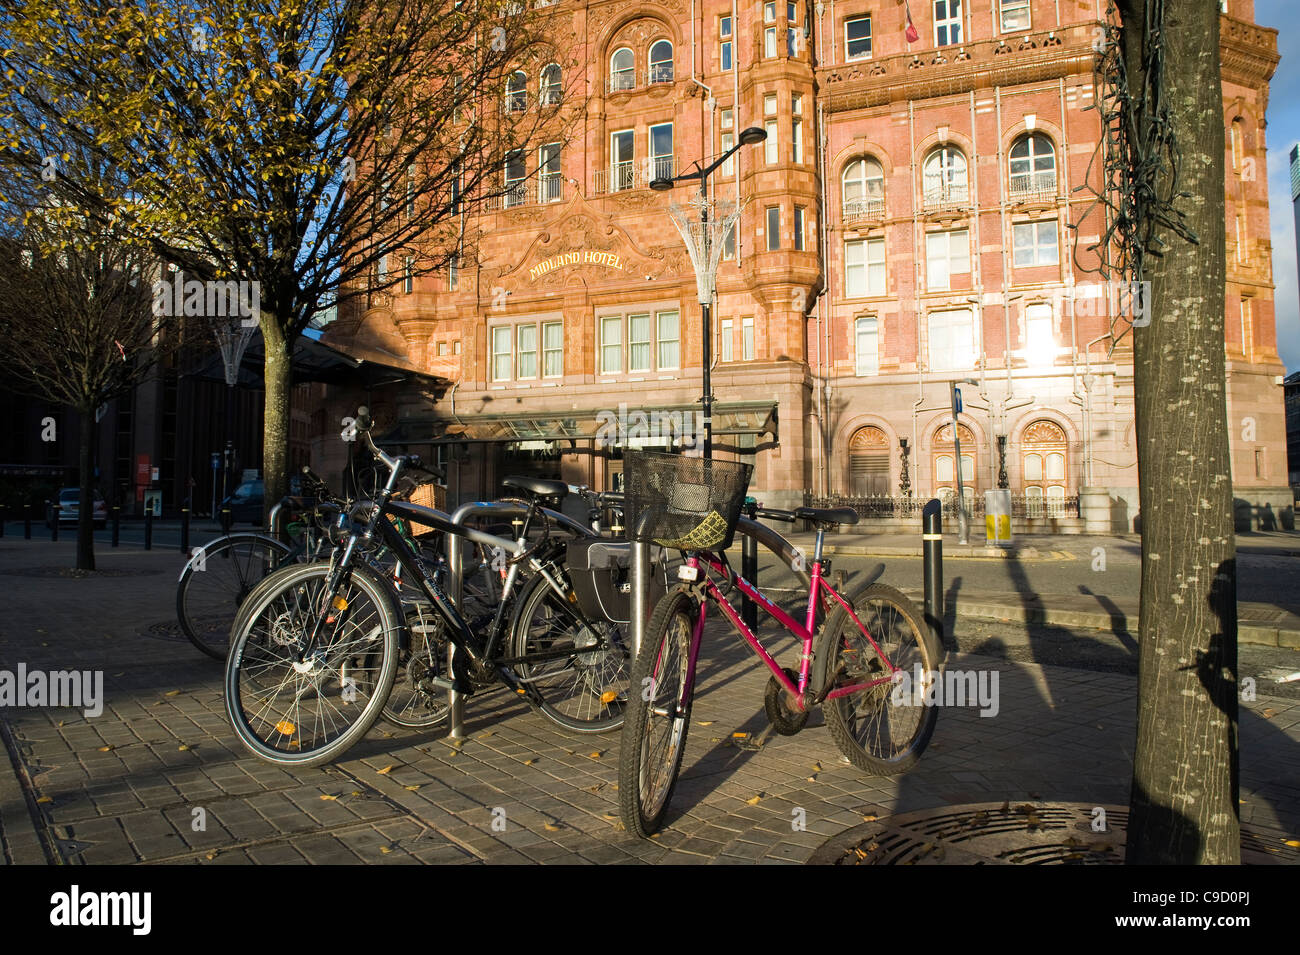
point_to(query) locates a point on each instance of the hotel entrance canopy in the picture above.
(752, 425)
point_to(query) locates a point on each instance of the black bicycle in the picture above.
(316, 649)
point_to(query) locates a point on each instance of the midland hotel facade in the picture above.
(906, 223)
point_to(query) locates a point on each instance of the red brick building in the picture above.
(905, 224)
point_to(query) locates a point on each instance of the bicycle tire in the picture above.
(586, 692)
(364, 638)
(414, 703)
(654, 734)
(864, 724)
(215, 583)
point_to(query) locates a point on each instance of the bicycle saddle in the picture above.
(826, 515)
(538, 486)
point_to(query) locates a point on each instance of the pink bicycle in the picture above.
(851, 648)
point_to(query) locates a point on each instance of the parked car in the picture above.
(70, 507)
(245, 503)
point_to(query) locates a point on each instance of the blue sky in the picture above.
(1283, 132)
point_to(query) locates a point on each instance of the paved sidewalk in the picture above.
(134, 784)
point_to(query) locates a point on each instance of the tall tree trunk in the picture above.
(275, 444)
(86, 479)
(1184, 797)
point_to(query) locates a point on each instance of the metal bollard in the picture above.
(117, 524)
(226, 520)
(185, 530)
(54, 524)
(639, 570)
(749, 568)
(932, 551)
(148, 529)
(27, 522)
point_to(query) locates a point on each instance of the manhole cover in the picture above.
(73, 573)
(1005, 834)
(167, 630)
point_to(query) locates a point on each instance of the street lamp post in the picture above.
(702, 259)
(963, 519)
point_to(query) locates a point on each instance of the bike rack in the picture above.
(455, 563)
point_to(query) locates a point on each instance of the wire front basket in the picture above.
(683, 503)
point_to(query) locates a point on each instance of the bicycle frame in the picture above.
(805, 632)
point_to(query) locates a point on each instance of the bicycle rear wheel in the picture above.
(308, 712)
(658, 717)
(587, 690)
(216, 580)
(415, 703)
(879, 732)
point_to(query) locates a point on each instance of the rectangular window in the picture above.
(724, 32)
(442, 349)
(1015, 15)
(791, 42)
(620, 160)
(728, 168)
(549, 180)
(408, 275)
(769, 12)
(864, 268)
(727, 341)
(501, 353)
(638, 343)
(951, 335)
(946, 254)
(769, 104)
(769, 145)
(773, 228)
(798, 228)
(857, 38)
(947, 22)
(796, 140)
(553, 349)
(1260, 470)
(867, 346)
(381, 271)
(1247, 328)
(796, 104)
(726, 120)
(527, 351)
(661, 151)
(1034, 243)
(514, 178)
(453, 274)
(729, 244)
(1241, 237)
(747, 339)
(769, 42)
(1040, 338)
(410, 190)
(668, 334)
(611, 345)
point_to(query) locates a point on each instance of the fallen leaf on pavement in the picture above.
(172, 693)
(328, 797)
(386, 770)
(753, 800)
(551, 827)
(45, 799)
(413, 788)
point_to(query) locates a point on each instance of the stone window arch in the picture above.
(1044, 471)
(945, 466)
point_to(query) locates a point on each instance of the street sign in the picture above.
(216, 460)
(956, 401)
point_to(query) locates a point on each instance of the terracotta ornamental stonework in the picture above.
(918, 213)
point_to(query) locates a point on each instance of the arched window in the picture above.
(622, 69)
(864, 189)
(1043, 469)
(945, 177)
(549, 93)
(868, 462)
(661, 62)
(1033, 167)
(945, 468)
(517, 92)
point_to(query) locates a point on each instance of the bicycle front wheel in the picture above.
(880, 731)
(216, 580)
(658, 715)
(305, 710)
(586, 690)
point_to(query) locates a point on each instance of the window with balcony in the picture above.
(550, 183)
(1032, 165)
(724, 43)
(517, 92)
(773, 219)
(951, 336)
(944, 177)
(864, 189)
(549, 90)
(1033, 243)
(514, 179)
(1015, 15)
(867, 345)
(946, 254)
(661, 151)
(857, 38)
(622, 70)
(947, 22)
(661, 62)
(864, 268)
(620, 160)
